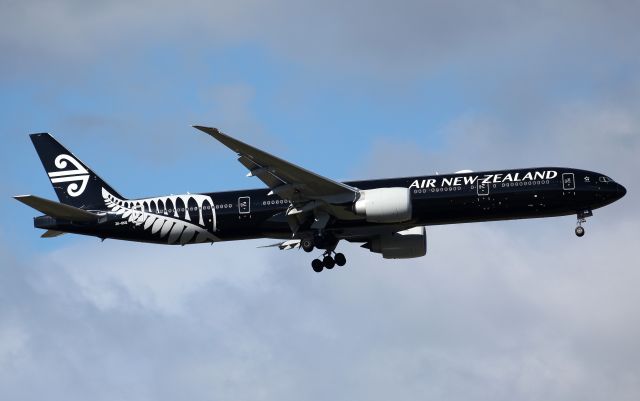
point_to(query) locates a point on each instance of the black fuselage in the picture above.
(438, 199)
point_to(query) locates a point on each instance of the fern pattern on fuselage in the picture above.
(181, 219)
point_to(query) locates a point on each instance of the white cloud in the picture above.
(519, 310)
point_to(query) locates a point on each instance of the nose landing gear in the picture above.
(328, 261)
(582, 218)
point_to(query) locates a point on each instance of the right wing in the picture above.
(286, 245)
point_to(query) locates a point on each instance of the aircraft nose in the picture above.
(622, 191)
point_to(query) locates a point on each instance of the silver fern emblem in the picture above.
(180, 219)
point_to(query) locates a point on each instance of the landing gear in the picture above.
(328, 242)
(582, 218)
(328, 262)
(307, 244)
(316, 264)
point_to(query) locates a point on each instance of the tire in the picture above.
(340, 259)
(328, 262)
(307, 245)
(579, 231)
(316, 264)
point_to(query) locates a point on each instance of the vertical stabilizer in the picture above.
(75, 183)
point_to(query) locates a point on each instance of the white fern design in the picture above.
(152, 215)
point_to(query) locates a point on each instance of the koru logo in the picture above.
(73, 175)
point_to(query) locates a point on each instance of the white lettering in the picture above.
(470, 180)
(446, 181)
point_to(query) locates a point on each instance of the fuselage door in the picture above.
(483, 189)
(244, 205)
(139, 213)
(568, 182)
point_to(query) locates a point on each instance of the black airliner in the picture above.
(305, 210)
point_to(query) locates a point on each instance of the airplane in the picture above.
(304, 210)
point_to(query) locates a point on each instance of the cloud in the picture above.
(510, 310)
(378, 39)
(501, 320)
(594, 135)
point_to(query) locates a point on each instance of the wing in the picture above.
(285, 179)
(286, 245)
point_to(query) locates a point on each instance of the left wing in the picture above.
(285, 179)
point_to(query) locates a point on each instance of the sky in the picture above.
(364, 89)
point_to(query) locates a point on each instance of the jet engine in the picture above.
(411, 243)
(384, 205)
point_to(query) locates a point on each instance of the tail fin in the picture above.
(75, 183)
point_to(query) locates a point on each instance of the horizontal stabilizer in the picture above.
(51, 234)
(57, 210)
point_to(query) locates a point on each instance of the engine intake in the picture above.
(411, 243)
(384, 205)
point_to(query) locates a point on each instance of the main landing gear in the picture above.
(582, 218)
(328, 262)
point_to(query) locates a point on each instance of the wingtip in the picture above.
(206, 129)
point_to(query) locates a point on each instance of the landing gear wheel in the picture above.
(317, 265)
(340, 259)
(579, 231)
(307, 245)
(328, 262)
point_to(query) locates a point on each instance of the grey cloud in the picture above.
(512, 310)
(497, 321)
(382, 39)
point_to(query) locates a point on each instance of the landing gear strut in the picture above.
(328, 262)
(582, 218)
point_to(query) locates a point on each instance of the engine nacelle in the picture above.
(411, 243)
(384, 205)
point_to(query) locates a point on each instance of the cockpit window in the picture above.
(604, 179)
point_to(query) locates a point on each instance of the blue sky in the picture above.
(511, 310)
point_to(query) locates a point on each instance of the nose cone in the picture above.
(622, 191)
